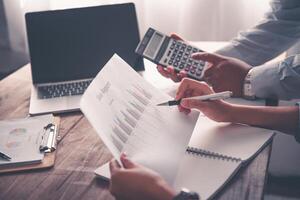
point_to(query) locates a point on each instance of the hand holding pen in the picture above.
(213, 108)
(208, 97)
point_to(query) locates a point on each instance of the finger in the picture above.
(127, 163)
(209, 57)
(182, 74)
(114, 166)
(187, 111)
(163, 71)
(184, 85)
(172, 73)
(191, 103)
(176, 37)
(183, 110)
(209, 71)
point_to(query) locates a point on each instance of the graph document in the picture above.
(121, 106)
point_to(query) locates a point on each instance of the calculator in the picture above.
(164, 50)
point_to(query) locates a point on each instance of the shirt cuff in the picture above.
(297, 134)
(265, 82)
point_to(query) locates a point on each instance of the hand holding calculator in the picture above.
(164, 50)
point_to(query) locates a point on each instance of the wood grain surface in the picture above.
(81, 151)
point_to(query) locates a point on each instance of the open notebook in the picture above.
(215, 153)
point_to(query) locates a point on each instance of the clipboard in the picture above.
(48, 145)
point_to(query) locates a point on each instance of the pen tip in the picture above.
(161, 104)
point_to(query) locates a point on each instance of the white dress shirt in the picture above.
(275, 34)
(279, 31)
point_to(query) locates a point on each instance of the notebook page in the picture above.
(234, 140)
(204, 175)
(121, 106)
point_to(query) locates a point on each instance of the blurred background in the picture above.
(195, 20)
(205, 20)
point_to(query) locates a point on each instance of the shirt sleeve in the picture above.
(279, 30)
(280, 80)
(297, 134)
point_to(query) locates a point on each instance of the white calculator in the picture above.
(164, 50)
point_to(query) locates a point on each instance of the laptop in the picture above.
(69, 47)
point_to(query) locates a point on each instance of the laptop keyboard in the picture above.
(64, 89)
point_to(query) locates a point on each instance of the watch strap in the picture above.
(247, 87)
(185, 194)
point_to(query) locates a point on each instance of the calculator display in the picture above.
(166, 51)
(154, 44)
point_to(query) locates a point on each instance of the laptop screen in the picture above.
(76, 43)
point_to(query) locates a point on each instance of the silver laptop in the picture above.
(69, 47)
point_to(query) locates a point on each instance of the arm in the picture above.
(279, 80)
(276, 33)
(284, 119)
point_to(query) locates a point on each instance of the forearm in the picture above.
(284, 119)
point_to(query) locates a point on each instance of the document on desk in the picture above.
(121, 106)
(20, 139)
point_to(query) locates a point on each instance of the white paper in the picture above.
(121, 106)
(233, 140)
(204, 174)
(20, 139)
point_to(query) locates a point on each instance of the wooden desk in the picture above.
(80, 151)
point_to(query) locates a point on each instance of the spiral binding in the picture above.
(204, 153)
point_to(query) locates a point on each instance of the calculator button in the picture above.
(189, 48)
(166, 60)
(192, 71)
(181, 66)
(170, 62)
(195, 50)
(195, 63)
(169, 53)
(187, 68)
(175, 64)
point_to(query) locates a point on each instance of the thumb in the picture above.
(191, 103)
(127, 163)
(176, 37)
(209, 57)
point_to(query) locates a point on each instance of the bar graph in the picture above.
(132, 111)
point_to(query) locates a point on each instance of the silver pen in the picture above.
(209, 97)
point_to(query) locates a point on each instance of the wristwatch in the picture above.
(247, 88)
(185, 194)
